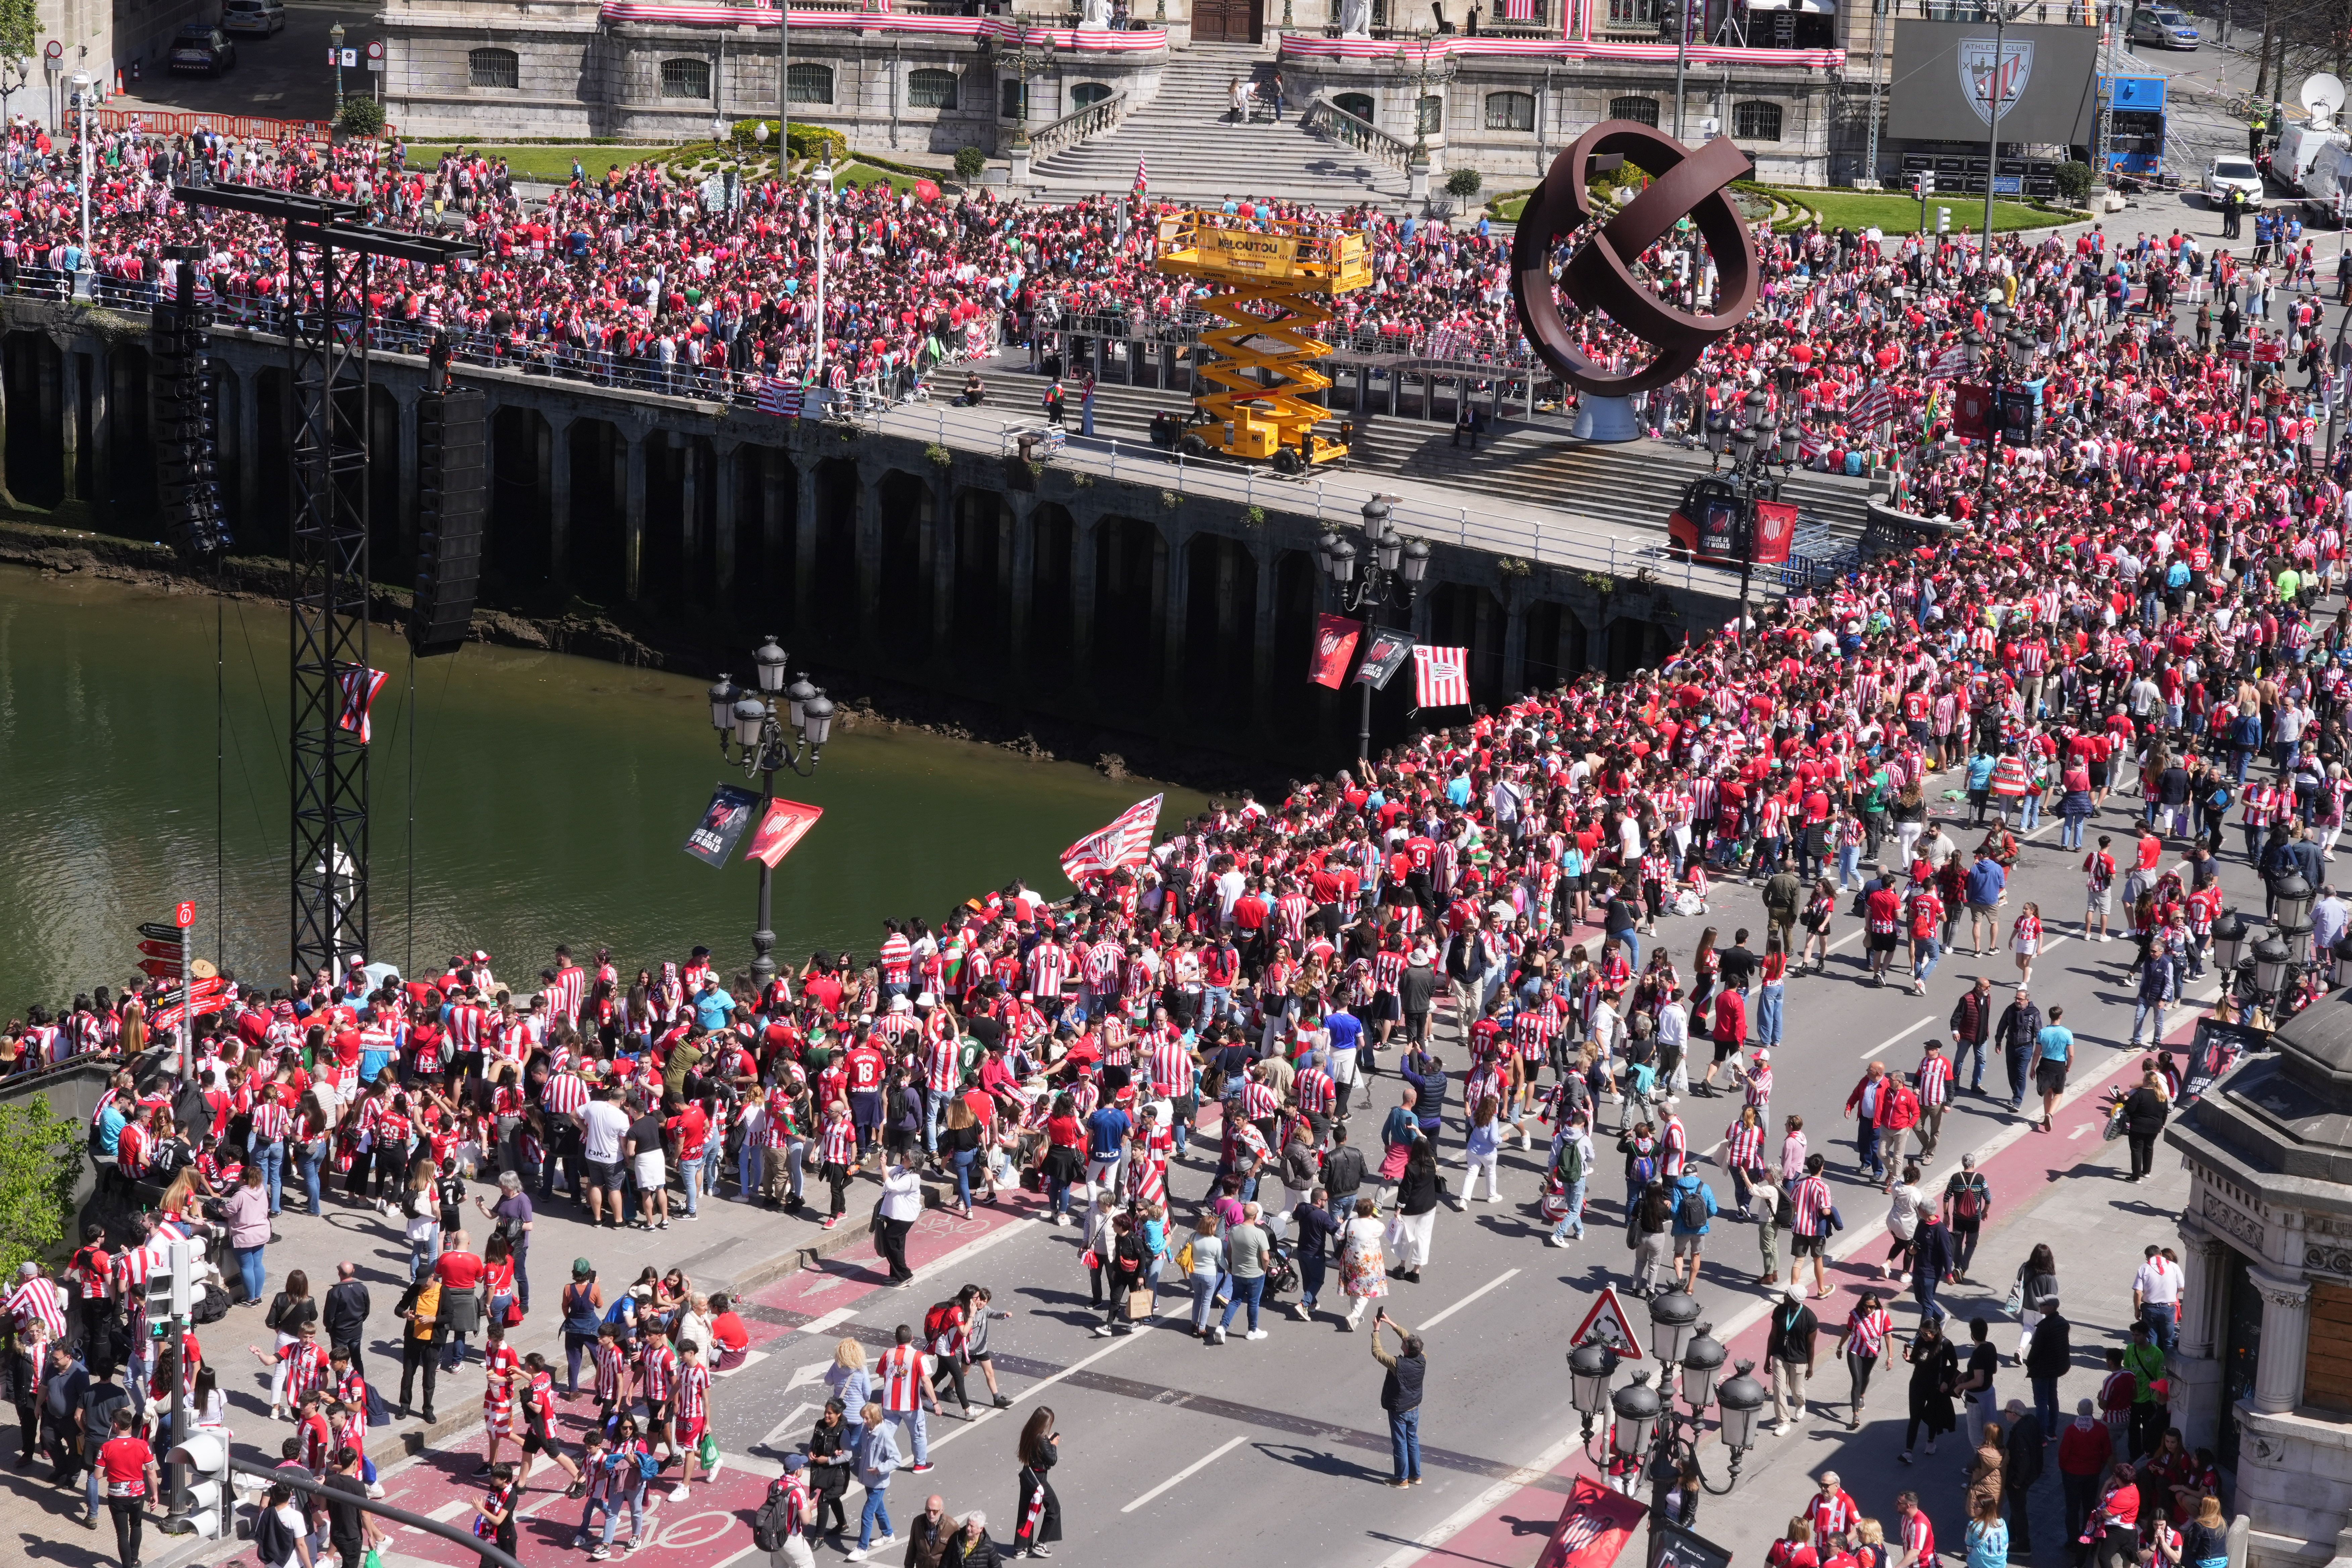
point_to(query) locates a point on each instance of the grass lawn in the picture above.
(1508, 208)
(551, 164)
(857, 174)
(1897, 214)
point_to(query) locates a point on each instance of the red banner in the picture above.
(1335, 645)
(1971, 411)
(1594, 1529)
(787, 821)
(1776, 530)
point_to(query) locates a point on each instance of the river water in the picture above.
(553, 798)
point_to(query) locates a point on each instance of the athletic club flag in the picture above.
(360, 687)
(1441, 676)
(782, 398)
(1334, 643)
(722, 828)
(1383, 656)
(1593, 1529)
(1122, 846)
(787, 822)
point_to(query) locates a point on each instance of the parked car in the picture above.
(258, 17)
(202, 47)
(2223, 175)
(2163, 26)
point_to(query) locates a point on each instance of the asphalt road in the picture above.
(285, 77)
(1172, 1446)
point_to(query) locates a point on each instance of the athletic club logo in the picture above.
(1979, 77)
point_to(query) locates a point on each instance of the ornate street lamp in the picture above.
(771, 727)
(1384, 569)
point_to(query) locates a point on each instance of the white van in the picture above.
(2299, 147)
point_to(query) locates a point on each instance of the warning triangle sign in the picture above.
(1606, 1325)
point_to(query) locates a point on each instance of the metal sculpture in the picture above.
(1599, 278)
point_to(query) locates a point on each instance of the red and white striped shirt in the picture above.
(566, 1094)
(1314, 1088)
(942, 1065)
(272, 1121)
(1919, 1537)
(1812, 1203)
(1171, 1069)
(693, 1394)
(38, 1311)
(1935, 1079)
(1866, 1332)
(839, 1144)
(658, 1373)
(900, 1371)
(1743, 1147)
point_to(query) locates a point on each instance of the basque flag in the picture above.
(360, 687)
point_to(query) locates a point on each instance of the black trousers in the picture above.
(893, 1244)
(129, 1525)
(415, 1354)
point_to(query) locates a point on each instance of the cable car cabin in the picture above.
(1713, 524)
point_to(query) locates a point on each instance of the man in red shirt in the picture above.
(126, 1468)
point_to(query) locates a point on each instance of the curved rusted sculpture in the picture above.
(1600, 276)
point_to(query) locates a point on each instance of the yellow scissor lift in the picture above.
(1273, 283)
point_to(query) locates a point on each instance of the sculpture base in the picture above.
(1606, 420)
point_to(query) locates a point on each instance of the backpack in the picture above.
(1690, 1212)
(1969, 1202)
(768, 1524)
(938, 1322)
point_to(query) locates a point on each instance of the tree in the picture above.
(40, 1163)
(20, 40)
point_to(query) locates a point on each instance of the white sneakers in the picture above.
(1254, 1334)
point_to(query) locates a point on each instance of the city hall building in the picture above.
(1501, 87)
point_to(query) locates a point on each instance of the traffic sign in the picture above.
(184, 913)
(1606, 1325)
(159, 931)
(161, 968)
(170, 950)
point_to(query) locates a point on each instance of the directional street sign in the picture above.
(156, 930)
(170, 950)
(161, 968)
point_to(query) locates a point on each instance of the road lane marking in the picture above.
(1893, 1040)
(1430, 1323)
(449, 1510)
(1194, 1468)
(832, 1319)
(1040, 1386)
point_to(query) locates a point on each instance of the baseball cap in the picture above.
(582, 1268)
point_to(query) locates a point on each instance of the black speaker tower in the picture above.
(183, 419)
(452, 440)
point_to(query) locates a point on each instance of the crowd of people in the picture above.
(1477, 914)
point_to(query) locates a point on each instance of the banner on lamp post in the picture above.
(787, 822)
(722, 826)
(1334, 643)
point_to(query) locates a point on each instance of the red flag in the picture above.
(1122, 846)
(1593, 1529)
(1335, 645)
(786, 822)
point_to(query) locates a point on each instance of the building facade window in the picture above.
(811, 82)
(1641, 13)
(1358, 104)
(686, 79)
(1510, 111)
(1087, 92)
(930, 90)
(1756, 121)
(494, 67)
(1645, 110)
(1432, 116)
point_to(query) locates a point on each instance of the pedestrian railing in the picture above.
(1081, 125)
(1327, 118)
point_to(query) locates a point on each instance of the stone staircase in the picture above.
(1193, 151)
(1631, 488)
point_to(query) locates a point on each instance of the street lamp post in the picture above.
(1753, 448)
(1385, 569)
(81, 139)
(772, 726)
(335, 43)
(1644, 1420)
(822, 195)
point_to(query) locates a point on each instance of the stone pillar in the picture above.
(632, 517)
(805, 526)
(1085, 526)
(2286, 1330)
(69, 423)
(869, 557)
(1596, 639)
(1515, 642)
(1023, 574)
(690, 514)
(101, 425)
(773, 469)
(1262, 635)
(1170, 584)
(722, 458)
(941, 534)
(555, 467)
(411, 490)
(2196, 1372)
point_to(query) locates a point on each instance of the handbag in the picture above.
(2117, 1121)
(2015, 1303)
